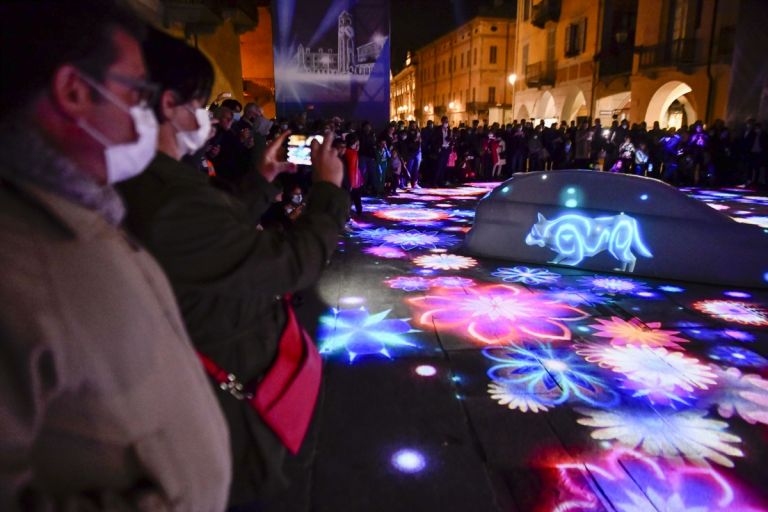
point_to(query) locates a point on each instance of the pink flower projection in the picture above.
(385, 251)
(734, 311)
(633, 482)
(462, 192)
(635, 332)
(445, 261)
(496, 314)
(411, 214)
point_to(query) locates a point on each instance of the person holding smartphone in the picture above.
(229, 276)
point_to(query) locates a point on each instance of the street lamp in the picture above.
(512, 78)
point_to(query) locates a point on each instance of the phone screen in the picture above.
(299, 151)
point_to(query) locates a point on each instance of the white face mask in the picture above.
(190, 141)
(124, 161)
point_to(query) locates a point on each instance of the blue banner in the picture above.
(332, 58)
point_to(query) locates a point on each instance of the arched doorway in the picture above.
(545, 108)
(575, 106)
(523, 114)
(671, 106)
(614, 105)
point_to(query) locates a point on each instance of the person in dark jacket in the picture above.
(229, 276)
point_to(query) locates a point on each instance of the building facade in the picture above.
(259, 64)
(462, 75)
(575, 59)
(682, 69)
(670, 61)
(214, 27)
(402, 92)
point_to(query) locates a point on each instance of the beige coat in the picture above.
(100, 389)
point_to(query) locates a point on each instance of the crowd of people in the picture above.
(405, 155)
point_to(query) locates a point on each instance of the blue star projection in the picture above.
(554, 375)
(526, 275)
(360, 333)
(614, 285)
(738, 356)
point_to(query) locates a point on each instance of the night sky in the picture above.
(418, 22)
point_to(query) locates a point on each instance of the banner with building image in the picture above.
(332, 59)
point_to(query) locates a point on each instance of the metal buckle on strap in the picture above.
(235, 388)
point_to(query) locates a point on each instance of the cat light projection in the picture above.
(575, 237)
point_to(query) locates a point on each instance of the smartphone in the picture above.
(299, 148)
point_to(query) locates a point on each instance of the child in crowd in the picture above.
(383, 156)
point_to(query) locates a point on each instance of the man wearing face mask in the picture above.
(228, 275)
(93, 353)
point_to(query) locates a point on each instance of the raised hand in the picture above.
(326, 162)
(271, 165)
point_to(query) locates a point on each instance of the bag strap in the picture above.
(228, 381)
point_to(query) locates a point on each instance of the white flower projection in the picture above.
(671, 434)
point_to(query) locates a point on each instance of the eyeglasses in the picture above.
(147, 91)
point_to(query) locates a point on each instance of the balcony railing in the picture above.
(680, 53)
(544, 11)
(540, 73)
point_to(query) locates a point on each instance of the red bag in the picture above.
(285, 397)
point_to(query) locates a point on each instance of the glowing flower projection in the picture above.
(373, 234)
(655, 373)
(445, 261)
(554, 375)
(756, 221)
(361, 333)
(709, 334)
(411, 215)
(666, 433)
(635, 332)
(462, 192)
(423, 197)
(414, 239)
(633, 482)
(734, 311)
(384, 251)
(526, 275)
(577, 297)
(618, 285)
(409, 283)
(738, 356)
(457, 229)
(745, 395)
(496, 314)
(452, 282)
(516, 398)
(462, 214)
